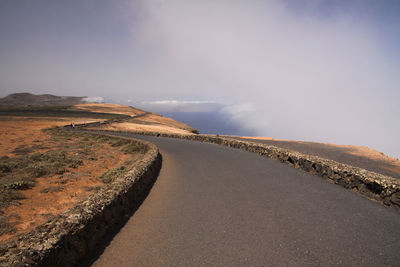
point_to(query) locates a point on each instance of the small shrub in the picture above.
(22, 150)
(36, 156)
(132, 148)
(74, 163)
(58, 168)
(110, 175)
(102, 138)
(62, 181)
(55, 156)
(5, 227)
(7, 196)
(19, 185)
(6, 167)
(118, 142)
(52, 189)
(85, 151)
(37, 169)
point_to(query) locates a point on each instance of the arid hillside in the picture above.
(140, 120)
(46, 105)
(27, 99)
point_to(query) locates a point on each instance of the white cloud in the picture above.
(176, 102)
(306, 77)
(98, 99)
(180, 105)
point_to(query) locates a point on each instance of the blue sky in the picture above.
(310, 70)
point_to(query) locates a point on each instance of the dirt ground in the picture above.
(52, 194)
(18, 134)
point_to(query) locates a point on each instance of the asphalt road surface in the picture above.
(213, 205)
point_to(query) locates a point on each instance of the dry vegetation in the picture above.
(137, 126)
(144, 122)
(108, 108)
(20, 135)
(43, 173)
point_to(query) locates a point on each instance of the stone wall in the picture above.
(69, 237)
(381, 188)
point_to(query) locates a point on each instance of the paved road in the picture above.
(213, 205)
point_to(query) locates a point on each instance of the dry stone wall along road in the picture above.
(340, 154)
(214, 205)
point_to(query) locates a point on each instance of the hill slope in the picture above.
(140, 121)
(28, 99)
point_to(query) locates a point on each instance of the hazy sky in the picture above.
(310, 70)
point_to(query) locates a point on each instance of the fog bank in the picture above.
(285, 74)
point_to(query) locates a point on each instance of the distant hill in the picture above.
(30, 105)
(27, 99)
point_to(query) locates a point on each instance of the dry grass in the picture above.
(108, 108)
(147, 122)
(43, 173)
(130, 126)
(158, 119)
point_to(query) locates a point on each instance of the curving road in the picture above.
(214, 205)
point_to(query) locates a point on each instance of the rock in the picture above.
(395, 198)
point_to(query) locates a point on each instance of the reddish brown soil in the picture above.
(25, 132)
(55, 194)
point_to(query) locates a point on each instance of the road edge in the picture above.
(377, 187)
